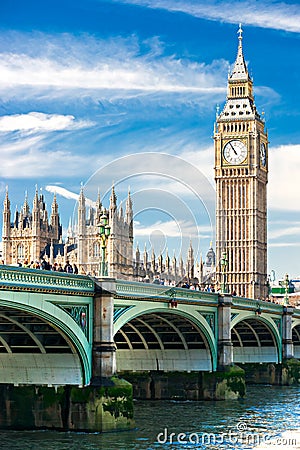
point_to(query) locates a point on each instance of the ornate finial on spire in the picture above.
(240, 33)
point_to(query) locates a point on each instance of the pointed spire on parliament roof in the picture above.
(81, 198)
(113, 199)
(54, 206)
(35, 199)
(98, 202)
(6, 199)
(129, 203)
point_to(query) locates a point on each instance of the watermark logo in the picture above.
(241, 435)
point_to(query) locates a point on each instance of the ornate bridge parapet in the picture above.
(22, 279)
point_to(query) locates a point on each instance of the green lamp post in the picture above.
(104, 233)
(286, 294)
(224, 262)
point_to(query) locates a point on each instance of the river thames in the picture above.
(269, 417)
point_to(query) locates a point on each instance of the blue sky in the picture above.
(97, 92)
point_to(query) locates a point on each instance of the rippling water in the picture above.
(267, 412)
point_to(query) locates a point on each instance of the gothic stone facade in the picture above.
(31, 237)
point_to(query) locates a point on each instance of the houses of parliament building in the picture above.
(241, 177)
(33, 235)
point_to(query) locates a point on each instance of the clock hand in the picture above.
(232, 148)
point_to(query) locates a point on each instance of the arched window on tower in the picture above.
(20, 251)
(96, 250)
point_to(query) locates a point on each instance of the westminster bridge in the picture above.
(58, 329)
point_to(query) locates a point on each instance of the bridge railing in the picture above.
(140, 290)
(248, 303)
(20, 278)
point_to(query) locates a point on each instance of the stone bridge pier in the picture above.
(104, 348)
(225, 346)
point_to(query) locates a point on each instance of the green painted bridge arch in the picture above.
(256, 338)
(154, 329)
(143, 314)
(45, 327)
(158, 337)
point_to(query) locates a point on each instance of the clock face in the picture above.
(235, 152)
(263, 158)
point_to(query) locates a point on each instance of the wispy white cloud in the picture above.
(283, 244)
(66, 193)
(27, 159)
(171, 228)
(284, 222)
(124, 72)
(62, 191)
(284, 180)
(39, 122)
(267, 14)
(28, 148)
(287, 231)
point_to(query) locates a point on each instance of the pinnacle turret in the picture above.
(129, 211)
(113, 199)
(54, 207)
(129, 215)
(6, 202)
(137, 254)
(98, 202)
(145, 257)
(25, 209)
(81, 198)
(36, 199)
(54, 219)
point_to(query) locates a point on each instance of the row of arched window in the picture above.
(236, 127)
(238, 91)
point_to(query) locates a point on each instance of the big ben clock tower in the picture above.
(241, 174)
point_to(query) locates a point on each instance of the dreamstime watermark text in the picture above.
(239, 435)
